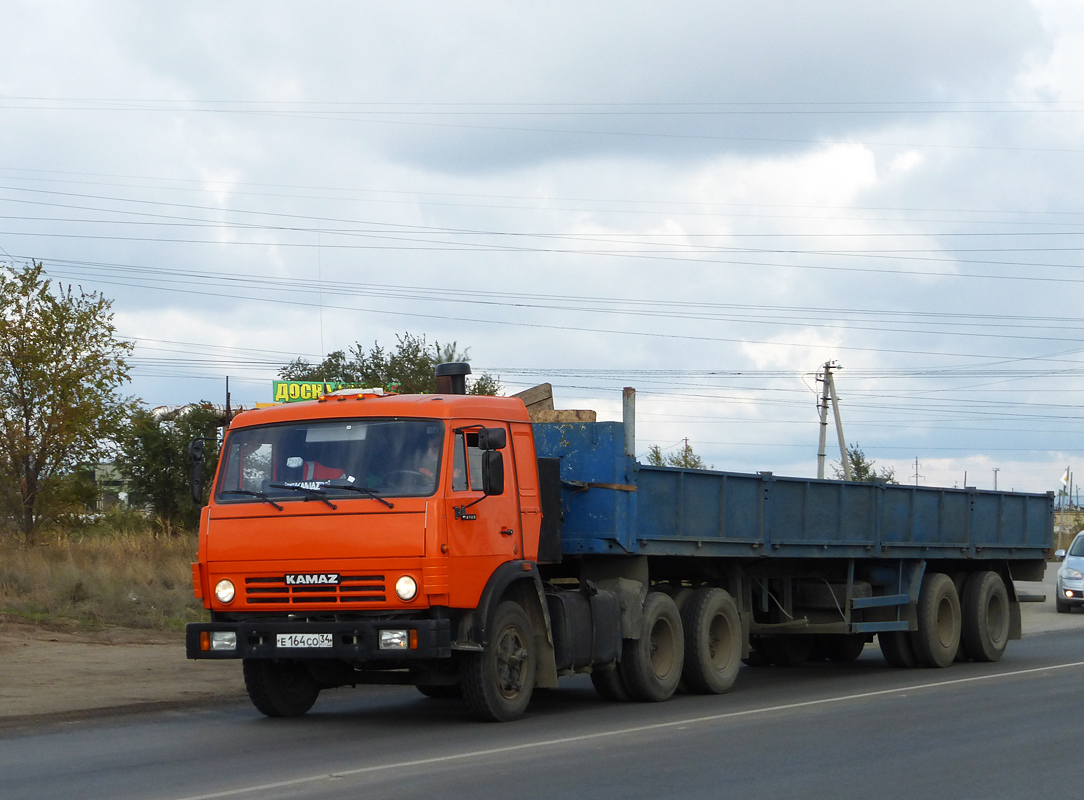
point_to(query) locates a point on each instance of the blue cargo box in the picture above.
(613, 504)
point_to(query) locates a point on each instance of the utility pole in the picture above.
(828, 394)
(916, 476)
(996, 470)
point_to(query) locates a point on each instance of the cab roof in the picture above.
(431, 406)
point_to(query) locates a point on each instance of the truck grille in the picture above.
(351, 589)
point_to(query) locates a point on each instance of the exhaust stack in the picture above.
(452, 377)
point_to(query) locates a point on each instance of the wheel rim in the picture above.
(511, 662)
(663, 649)
(720, 640)
(945, 623)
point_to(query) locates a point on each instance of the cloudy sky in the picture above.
(704, 200)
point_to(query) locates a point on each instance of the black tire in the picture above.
(713, 642)
(440, 691)
(842, 648)
(938, 635)
(497, 682)
(896, 648)
(788, 650)
(1061, 607)
(985, 621)
(651, 665)
(610, 685)
(280, 688)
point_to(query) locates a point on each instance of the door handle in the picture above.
(507, 531)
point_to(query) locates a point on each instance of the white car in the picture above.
(1070, 591)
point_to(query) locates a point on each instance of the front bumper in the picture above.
(1071, 585)
(355, 641)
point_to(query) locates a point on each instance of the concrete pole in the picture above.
(824, 420)
(847, 473)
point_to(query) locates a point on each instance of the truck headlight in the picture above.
(224, 591)
(223, 640)
(406, 588)
(394, 640)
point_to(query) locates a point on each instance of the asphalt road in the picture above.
(1006, 730)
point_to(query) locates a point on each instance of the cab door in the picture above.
(483, 531)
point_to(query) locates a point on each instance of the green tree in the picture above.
(154, 461)
(682, 457)
(61, 366)
(409, 368)
(862, 468)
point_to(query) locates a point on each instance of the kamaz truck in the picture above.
(449, 542)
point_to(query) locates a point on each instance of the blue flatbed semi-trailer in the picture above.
(813, 567)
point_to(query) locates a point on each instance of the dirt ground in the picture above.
(67, 675)
(74, 674)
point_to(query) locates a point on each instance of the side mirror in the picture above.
(1059, 555)
(492, 472)
(492, 438)
(196, 450)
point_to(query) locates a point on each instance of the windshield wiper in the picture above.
(373, 493)
(260, 495)
(310, 494)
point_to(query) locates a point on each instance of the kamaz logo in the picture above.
(313, 579)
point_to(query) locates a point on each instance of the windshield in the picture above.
(1077, 547)
(344, 458)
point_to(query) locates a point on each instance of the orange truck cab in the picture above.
(364, 537)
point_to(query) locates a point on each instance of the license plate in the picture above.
(304, 640)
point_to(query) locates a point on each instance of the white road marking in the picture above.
(421, 762)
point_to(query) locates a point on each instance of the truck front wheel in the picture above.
(497, 682)
(651, 665)
(280, 688)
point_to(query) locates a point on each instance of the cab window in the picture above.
(467, 463)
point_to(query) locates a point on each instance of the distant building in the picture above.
(112, 488)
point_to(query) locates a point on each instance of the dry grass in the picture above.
(101, 577)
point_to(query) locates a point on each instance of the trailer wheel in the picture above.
(842, 648)
(498, 681)
(985, 629)
(651, 665)
(788, 650)
(609, 684)
(938, 635)
(712, 641)
(280, 688)
(897, 650)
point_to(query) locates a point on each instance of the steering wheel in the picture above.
(406, 479)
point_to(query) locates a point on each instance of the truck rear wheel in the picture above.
(712, 641)
(897, 650)
(280, 688)
(651, 665)
(498, 682)
(985, 629)
(439, 691)
(609, 684)
(938, 635)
